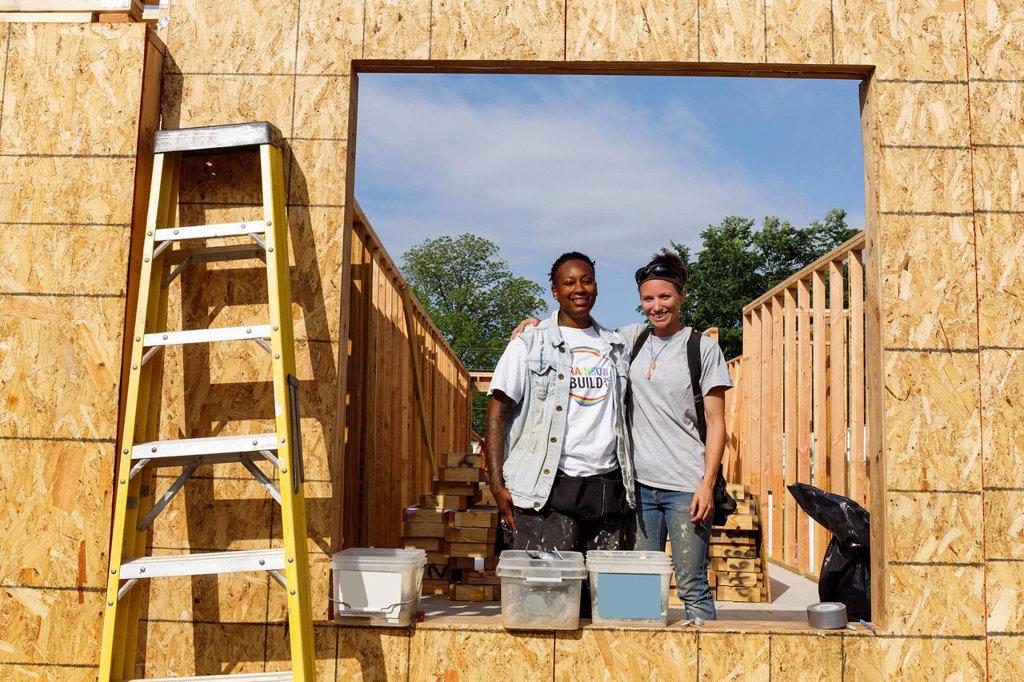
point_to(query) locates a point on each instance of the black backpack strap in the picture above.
(693, 360)
(645, 334)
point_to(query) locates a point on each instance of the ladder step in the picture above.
(210, 563)
(200, 447)
(238, 677)
(208, 138)
(167, 234)
(255, 331)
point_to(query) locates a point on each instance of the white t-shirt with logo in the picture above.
(588, 446)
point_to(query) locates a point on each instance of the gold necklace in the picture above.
(654, 358)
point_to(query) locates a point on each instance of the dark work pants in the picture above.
(581, 514)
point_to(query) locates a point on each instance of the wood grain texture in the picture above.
(86, 114)
(330, 36)
(36, 189)
(799, 31)
(322, 107)
(632, 30)
(1004, 656)
(994, 29)
(49, 626)
(1005, 599)
(733, 656)
(923, 40)
(397, 29)
(997, 112)
(593, 655)
(732, 31)
(40, 258)
(498, 29)
(927, 268)
(1000, 278)
(318, 172)
(326, 650)
(806, 658)
(472, 655)
(935, 527)
(924, 180)
(932, 437)
(1004, 524)
(58, 495)
(1002, 372)
(936, 599)
(373, 654)
(175, 649)
(924, 113)
(248, 36)
(999, 178)
(870, 659)
(199, 100)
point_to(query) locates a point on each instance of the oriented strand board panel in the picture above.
(1002, 372)
(933, 431)
(49, 625)
(498, 29)
(1004, 524)
(936, 599)
(998, 112)
(872, 659)
(464, 655)
(994, 30)
(373, 654)
(924, 180)
(935, 527)
(595, 655)
(632, 30)
(924, 113)
(733, 656)
(397, 29)
(732, 31)
(330, 36)
(799, 31)
(931, 303)
(999, 178)
(806, 658)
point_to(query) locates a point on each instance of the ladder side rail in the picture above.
(112, 662)
(147, 477)
(293, 511)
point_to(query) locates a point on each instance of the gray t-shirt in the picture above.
(667, 450)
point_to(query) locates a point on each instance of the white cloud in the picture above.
(548, 170)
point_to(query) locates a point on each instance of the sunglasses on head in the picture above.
(659, 270)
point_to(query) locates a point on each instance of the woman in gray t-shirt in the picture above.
(675, 471)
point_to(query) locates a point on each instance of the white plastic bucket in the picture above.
(629, 588)
(540, 594)
(377, 586)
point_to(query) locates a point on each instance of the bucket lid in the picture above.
(378, 559)
(629, 561)
(516, 563)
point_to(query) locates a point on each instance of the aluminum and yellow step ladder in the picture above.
(141, 453)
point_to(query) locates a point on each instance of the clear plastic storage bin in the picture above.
(377, 586)
(540, 593)
(629, 588)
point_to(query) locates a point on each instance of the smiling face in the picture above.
(660, 301)
(575, 289)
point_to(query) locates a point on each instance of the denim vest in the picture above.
(533, 444)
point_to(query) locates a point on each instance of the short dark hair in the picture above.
(565, 258)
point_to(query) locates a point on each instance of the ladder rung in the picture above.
(167, 234)
(210, 563)
(255, 331)
(199, 447)
(238, 677)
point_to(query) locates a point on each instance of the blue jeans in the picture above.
(665, 514)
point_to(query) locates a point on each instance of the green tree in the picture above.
(737, 263)
(472, 297)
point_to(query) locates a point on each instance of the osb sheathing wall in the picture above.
(942, 112)
(77, 99)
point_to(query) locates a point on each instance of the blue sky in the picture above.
(614, 166)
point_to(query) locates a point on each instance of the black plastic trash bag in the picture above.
(846, 569)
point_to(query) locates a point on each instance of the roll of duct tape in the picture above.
(827, 615)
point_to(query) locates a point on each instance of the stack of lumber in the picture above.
(737, 567)
(424, 528)
(472, 536)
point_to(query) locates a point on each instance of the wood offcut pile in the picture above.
(456, 523)
(737, 566)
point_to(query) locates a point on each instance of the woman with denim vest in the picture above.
(559, 456)
(675, 470)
